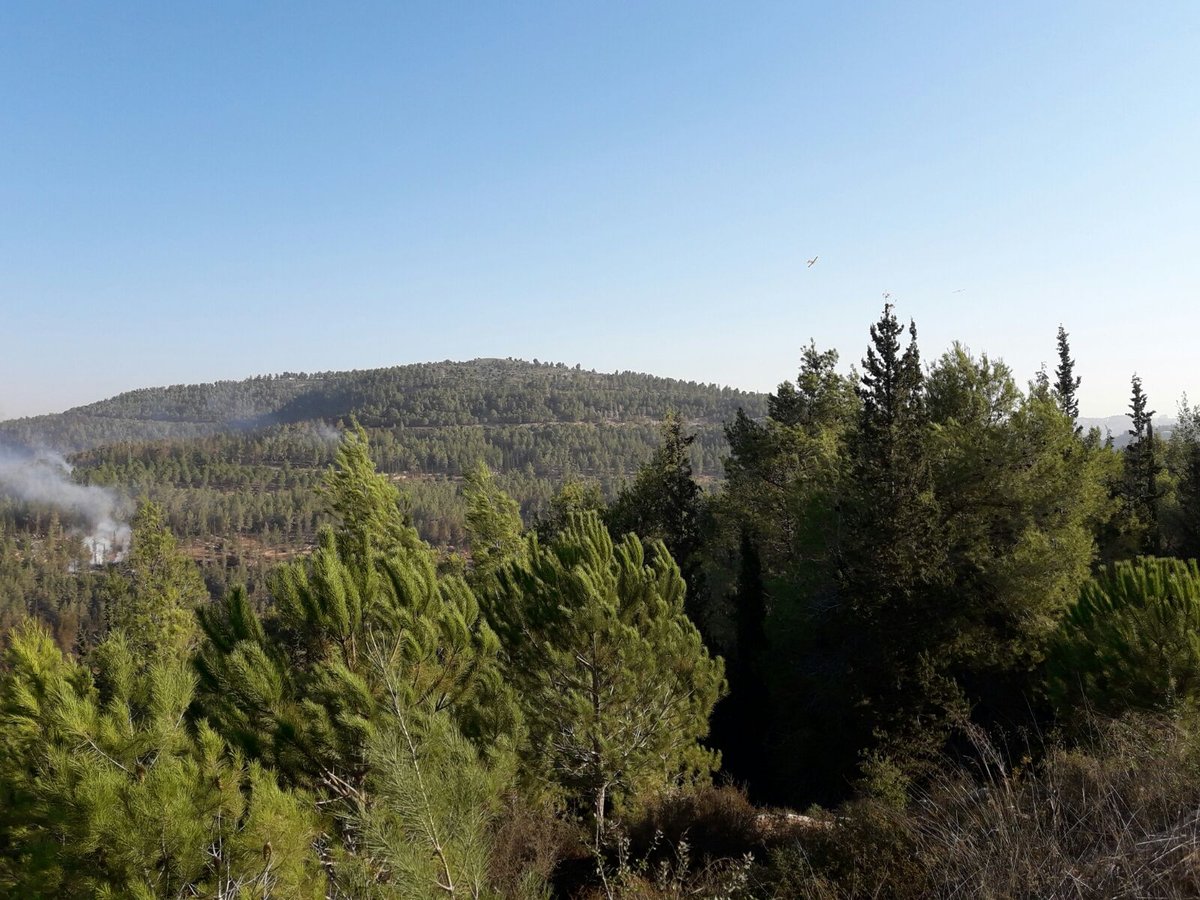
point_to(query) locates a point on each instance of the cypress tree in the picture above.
(1189, 504)
(1141, 471)
(1066, 382)
(741, 720)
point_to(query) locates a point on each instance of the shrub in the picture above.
(531, 844)
(1118, 816)
(715, 822)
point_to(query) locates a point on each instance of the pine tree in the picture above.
(422, 824)
(784, 469)
(574, 496)
(1066, 382)
(820, 396)
(614, 682)
(665, 503)
(895, 551)
(1132, 640)
(111, 792)
(373, 517)
(298, 690)
(299, 693)
(891, 619)
(156, 591)
(493, 524)
(1019, 497)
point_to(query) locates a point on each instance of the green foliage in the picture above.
(157, 591)
(110, 792)
(444, 394)
(820, 397)
(1182, 529)
(1132, 640)
(237, 467)
(1020, 497)
(664, 501)
(575, 496)
(784, 474)
(299, 690)
(891, 619)
(893, 550)
(891, 575)
(422, 826)
(376, 685)
(893, 562)
(1142, 468)
(493, 524)
(44, 575)
(614, 682)
(769, 552)
(372, 520)
(300, 693)
(1066, 382)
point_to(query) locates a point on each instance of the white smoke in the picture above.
(43, 476)
(325, 433)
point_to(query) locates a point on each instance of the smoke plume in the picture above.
(43, 476)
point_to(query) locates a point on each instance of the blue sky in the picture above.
(200, 191)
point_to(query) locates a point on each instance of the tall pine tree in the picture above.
(891, 619)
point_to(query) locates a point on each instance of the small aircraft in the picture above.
(812, 262)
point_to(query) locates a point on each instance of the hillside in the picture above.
(236, 465)
(443, 394)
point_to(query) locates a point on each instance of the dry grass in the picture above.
(529, 844)
(1116, 818)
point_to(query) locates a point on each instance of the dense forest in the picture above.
(236, 466)
(499, 629)
(476, 393)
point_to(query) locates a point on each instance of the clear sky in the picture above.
(212, 190)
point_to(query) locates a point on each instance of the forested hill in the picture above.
(236, 465)
(478, 392)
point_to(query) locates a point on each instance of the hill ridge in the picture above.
(485, 390)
